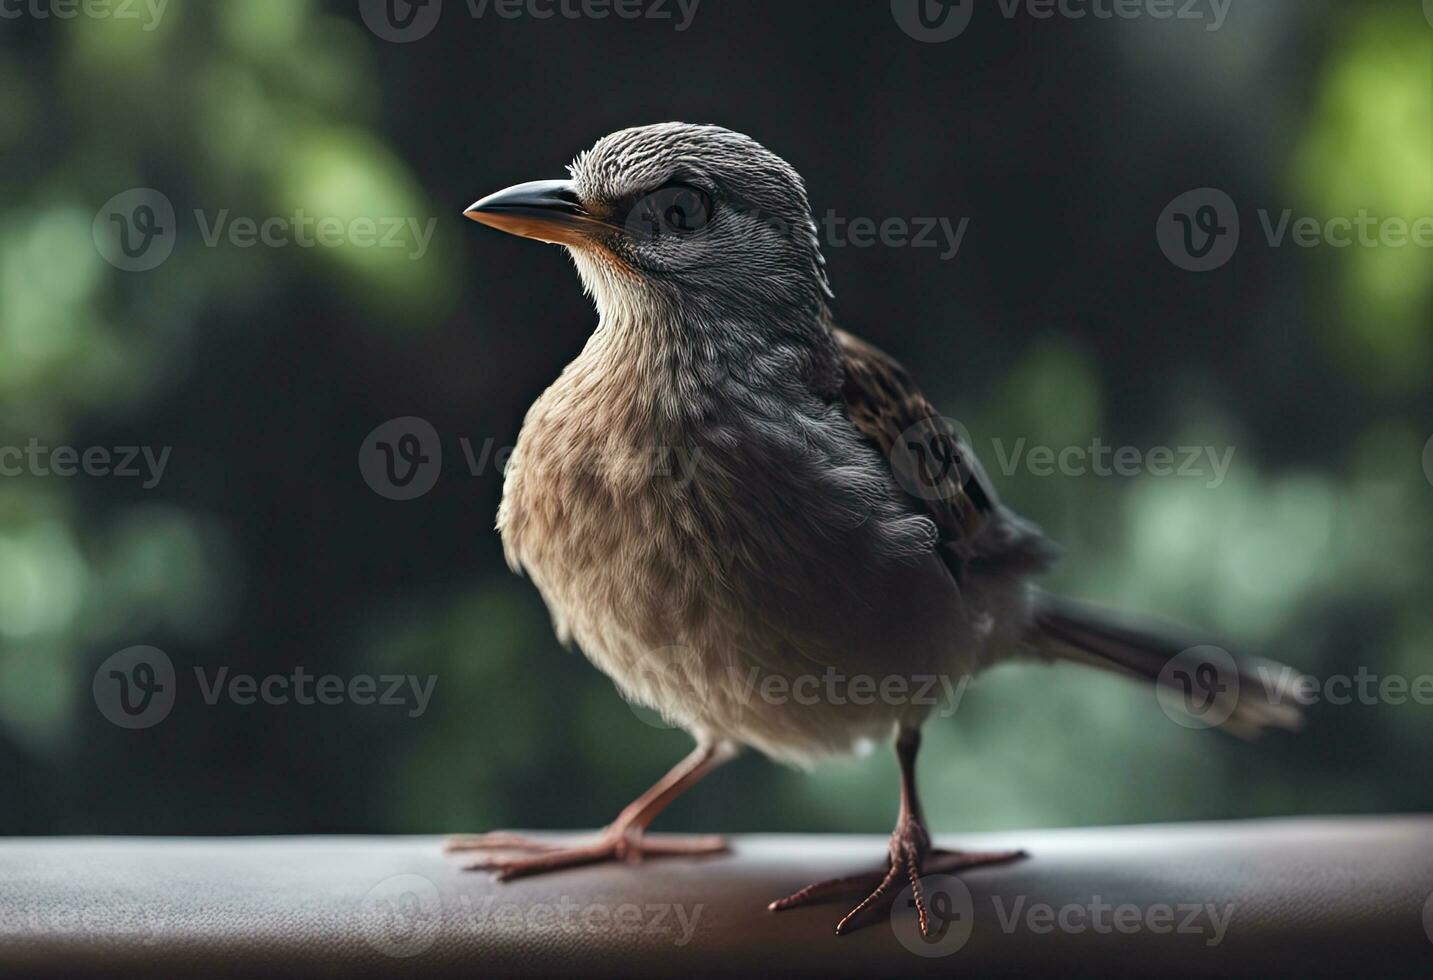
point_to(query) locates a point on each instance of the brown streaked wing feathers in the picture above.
(884, 403)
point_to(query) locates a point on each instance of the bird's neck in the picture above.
(682, 362)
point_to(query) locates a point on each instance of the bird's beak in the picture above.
(548, 210)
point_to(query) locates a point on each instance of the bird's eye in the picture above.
(676, 210)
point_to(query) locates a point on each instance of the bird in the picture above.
(725, 488)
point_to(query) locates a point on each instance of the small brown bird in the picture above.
(724, 495)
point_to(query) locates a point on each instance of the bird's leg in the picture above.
(910, 857)
(624, 839)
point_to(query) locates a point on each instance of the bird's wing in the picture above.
(924, 449)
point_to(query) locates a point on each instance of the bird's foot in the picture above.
(613, 844)
(911, 856)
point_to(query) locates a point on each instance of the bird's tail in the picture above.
(1194, 680)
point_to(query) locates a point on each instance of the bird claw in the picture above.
(497, 840)
(910, 857)
(612, 845)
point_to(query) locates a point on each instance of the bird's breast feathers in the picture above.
(766, 535)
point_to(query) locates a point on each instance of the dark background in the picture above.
(1060, 320)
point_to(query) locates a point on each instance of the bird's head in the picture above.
(677, 217)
